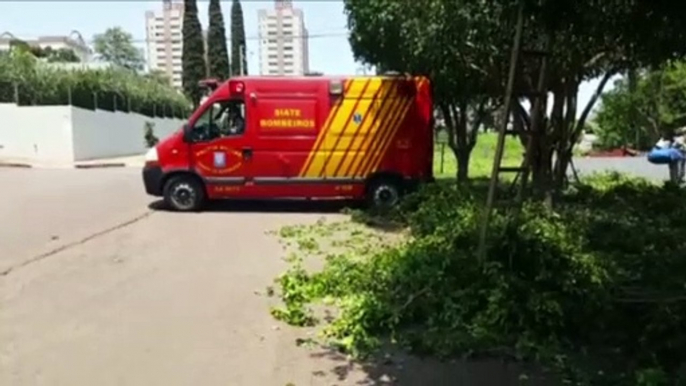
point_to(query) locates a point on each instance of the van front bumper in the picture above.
(152, 179)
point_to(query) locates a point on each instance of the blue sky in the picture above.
(329, 49)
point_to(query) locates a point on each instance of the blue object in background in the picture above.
(664, 156)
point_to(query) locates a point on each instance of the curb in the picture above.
(15, 165)
(100, 166)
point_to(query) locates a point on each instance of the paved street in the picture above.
(98, 289)
(637, 166)
(169, 299)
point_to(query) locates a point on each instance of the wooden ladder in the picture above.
(539, 98)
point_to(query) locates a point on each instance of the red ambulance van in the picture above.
(299, 137)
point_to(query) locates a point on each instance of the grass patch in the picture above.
(482, 156)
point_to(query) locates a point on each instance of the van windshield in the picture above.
(221, 119)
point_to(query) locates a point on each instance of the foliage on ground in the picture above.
(595, 287)
(28, 81)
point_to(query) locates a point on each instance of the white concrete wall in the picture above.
(104, 134)
(36, 133)
(65, 134)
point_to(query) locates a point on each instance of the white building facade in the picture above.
(73, 42)
(284, 47)
(165, 40)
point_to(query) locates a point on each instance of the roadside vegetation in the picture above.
(587, 279)
(28, 80)
(567, 289)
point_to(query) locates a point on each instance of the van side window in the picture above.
(222, 119)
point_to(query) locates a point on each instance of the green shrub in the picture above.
(26, 81)
(149, 134)
(596, 285)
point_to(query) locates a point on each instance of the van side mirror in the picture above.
(186, 133)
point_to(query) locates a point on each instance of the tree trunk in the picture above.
(460, 139)
(463, 155)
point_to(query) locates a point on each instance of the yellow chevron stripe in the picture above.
(375, 144)
(386, 142)
(367, 139)
(324, 128)
(349, 127)
(337, 126)
(342, 153)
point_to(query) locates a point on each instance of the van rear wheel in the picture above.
(184, 194)
(384, 193)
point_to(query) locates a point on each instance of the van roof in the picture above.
(277, 78)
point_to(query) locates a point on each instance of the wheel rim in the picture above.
(386, 196)
(183, 196)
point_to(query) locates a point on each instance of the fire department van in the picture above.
(299, 137)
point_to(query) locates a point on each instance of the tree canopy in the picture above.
(638, 117)
(464, 46)
(217, 52)
(116, 46)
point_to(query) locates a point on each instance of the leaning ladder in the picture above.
(538, 96)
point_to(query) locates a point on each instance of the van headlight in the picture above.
(151, 158)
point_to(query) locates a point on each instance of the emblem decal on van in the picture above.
(219, 160)
(357, 118)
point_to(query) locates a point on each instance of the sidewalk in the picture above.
(135, 161)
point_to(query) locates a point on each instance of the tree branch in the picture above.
(520, 111)
(591, 103)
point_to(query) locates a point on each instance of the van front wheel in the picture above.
(184, 194)
(384, 193)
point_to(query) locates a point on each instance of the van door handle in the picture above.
(247, 153)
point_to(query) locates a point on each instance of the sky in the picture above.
(330, 51)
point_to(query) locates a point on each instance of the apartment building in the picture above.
(73, 41)
(165, 41)
(284, 48)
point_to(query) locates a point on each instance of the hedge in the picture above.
(29, 82)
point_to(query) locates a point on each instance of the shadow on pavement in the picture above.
(270, 206)
(404, 370)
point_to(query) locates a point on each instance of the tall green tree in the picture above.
(217, 52)
(464, 46)
(116, 46)
(193, 57)
(435, 38)
(239, 64)
(657, 104)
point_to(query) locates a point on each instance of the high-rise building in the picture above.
(165, 40)
(284, 48)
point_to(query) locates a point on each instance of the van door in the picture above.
(220, 149)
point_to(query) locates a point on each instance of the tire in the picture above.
(384, 193)
(184, 194)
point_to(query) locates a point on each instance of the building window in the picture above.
(273, 63)
(288, 48)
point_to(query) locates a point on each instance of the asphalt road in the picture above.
(98, 289)
(637, 166)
